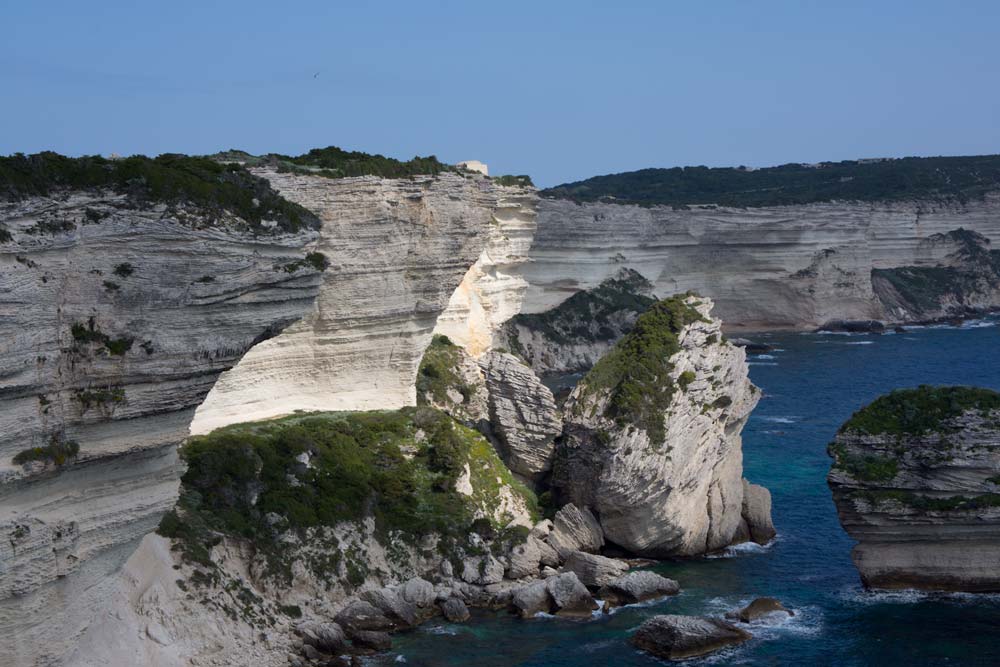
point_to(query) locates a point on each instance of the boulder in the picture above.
(362, 615)
(525, 559)
(482, 570)
(575, 529)
(419, 592)
(758, 609)
(638, 586)
(593, 570)
(569, 596)
(392, 604)
(523, 414)
(547, 554)
(374, 640)
(326, 637)
(454, 610)
(532, 599)
(757, 512)
(675, 637)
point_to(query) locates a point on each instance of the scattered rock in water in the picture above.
(532, 599)
(389, 602)
(675, 637)
(853, 326)
(374, 640)
(575, 529)
(454, 610)
(325, 637)
(593, 570)
(752, 347)
(362, 615)
(759, 608)
(640, 586)
(569, 596)
(757, 513)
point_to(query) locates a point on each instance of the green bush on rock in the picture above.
(255, 481)
(920, 410)
(636, 372)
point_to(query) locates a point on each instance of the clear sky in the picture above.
(559, 90)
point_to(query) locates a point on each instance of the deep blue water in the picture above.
(811, 385)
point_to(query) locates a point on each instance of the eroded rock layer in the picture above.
(117, 317)
(769, 267)
(398, 249)
(916, 481)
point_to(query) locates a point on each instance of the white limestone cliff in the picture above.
(771, 267)
(116, 320)
(398, 249)
(491, 291)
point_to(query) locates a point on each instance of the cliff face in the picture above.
(771, 267)
(652, 437)
(118, 316)
(916, 481)
(491, 291)
(397, 250)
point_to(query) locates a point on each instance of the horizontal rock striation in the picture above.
(491, 290)
(118, 314)
(652, 437)
(916, 481)
(397, 249)
(771, 267)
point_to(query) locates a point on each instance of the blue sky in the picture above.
(559, 90)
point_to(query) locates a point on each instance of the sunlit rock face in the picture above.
(117, 319)
(771, 267)
(398, 250)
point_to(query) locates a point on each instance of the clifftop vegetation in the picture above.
(258, 480)
(959, 178)
(636, 372)
(334, 162)
(174, 179)
(918, 411)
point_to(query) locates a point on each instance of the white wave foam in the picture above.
(861, 342)
(440, 630)
(764, 356)
(400, 658)
(780, 420)
(861, 596)
(743, 548)
(762, 363)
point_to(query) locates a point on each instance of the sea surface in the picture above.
(811, 384)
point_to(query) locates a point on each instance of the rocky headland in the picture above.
(916, 481)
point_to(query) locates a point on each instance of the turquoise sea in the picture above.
(811, 384)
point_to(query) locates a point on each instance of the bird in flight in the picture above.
(315, 75)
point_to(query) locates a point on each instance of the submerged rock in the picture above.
(759, 608)
(916, 481)
(676, 637)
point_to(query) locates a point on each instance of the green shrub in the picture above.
(686, 378)
(636, 372)
(124, 270)
(209, 186)
(438, 373)
(58, 451)
(334, 162)
(357, 468)
(522, 180)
